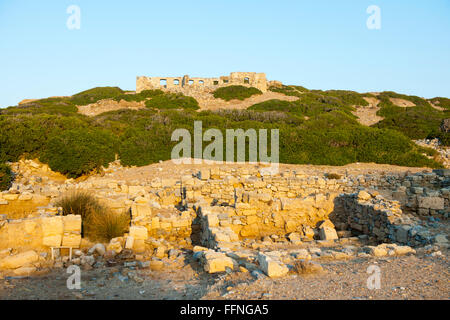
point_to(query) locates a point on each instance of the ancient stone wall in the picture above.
(186, 83)
(40, 232)
(222, 206)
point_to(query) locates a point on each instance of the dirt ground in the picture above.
(407, 277)
(167, 169)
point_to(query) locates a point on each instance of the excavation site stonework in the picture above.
(231, 231)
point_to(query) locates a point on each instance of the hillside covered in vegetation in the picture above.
(318, 128)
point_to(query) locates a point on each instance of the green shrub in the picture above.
(172, 101)
(26, 134)
(295, 91)
(95, 94)
(77, 152)
(235, 92)
(418, 122)
(62, 106)
(138, 97)
(6, 177)
(441, 102)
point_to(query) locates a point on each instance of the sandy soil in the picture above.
(402, 102)
(408, 277)
(167, 169)
(367, 115)
(210, 103)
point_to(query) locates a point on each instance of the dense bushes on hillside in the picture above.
(441, 102)
(138, 97)
(5, 177)
(319, 128)
(95, 94)
(235, 92)
(310, 104)
(79, 151)
(26, 134)
(418, 122)
(172, 101)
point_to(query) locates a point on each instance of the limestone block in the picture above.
(326, 223)
(160, 252)
(25, 197)
(141, 210)
(182, 223)
(217, 262)
(294, 237)
(71, 240)
(221, 237)
(10, 197)
(435, 203)
(139, 233)
(272, 267)
(72, 223)
(139, 245)
(52, 226)
(205, 174)
(251, 230)
(401, 250)
(52, 241)
(19, 260)
(363, 195)
(212, 220)
(134, 190)
(326, 233)
(24, 271)
(115, 245)
(290, 226)
(129, 243)
(155, 223)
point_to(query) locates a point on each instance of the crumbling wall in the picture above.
(370, 214)
(40, 232)
(186, 83)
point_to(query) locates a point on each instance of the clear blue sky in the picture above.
(317, 44)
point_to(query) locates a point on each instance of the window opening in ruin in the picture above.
(191, 82)
(247, 80)
(201, 82)
(163, 83)
(216, 82)
(176, 82)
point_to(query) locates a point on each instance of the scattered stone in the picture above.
(99, 248)
(19, 260)
(271, 266)
(307, 267)
(217, 262)
(24, 271)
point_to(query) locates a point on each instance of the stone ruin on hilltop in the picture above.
(186, 83)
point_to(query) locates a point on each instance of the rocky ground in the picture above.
(421, 276)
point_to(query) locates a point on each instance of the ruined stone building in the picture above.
(250, 79)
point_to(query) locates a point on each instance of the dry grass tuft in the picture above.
(99, 222)
(105, 225)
